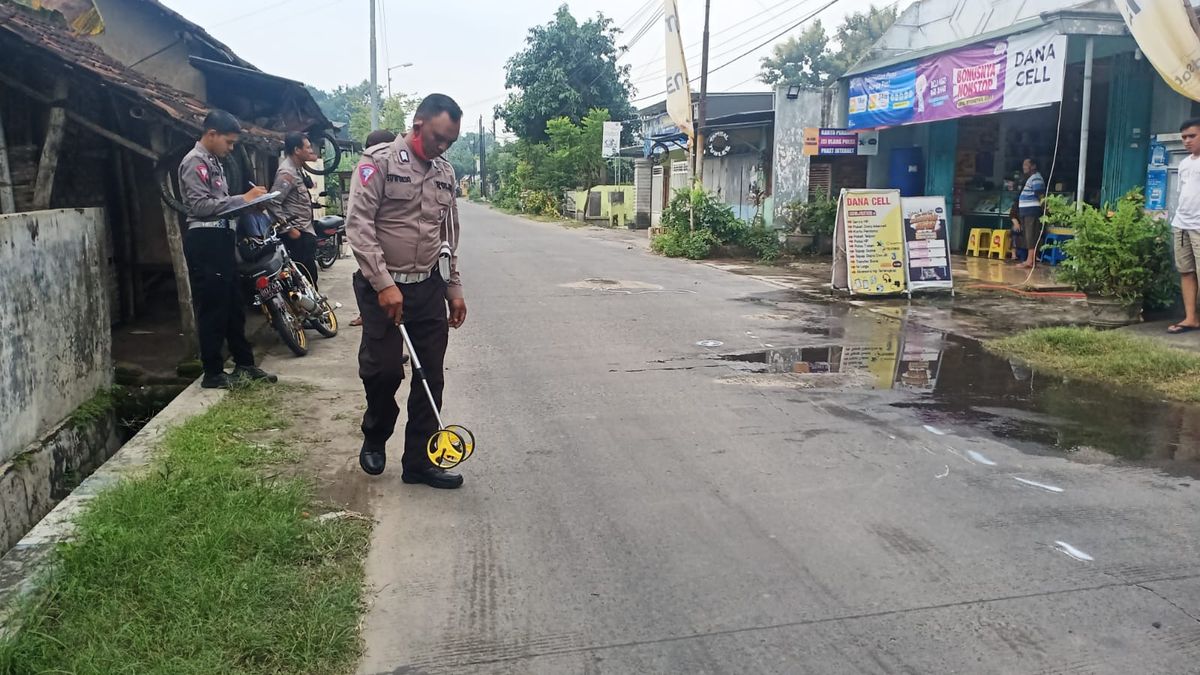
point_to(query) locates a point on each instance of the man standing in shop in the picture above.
(1030, 210)
(1185, 226)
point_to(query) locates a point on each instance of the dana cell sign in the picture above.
(1018, 72)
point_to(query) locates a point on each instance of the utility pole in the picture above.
(702, 118)
(482, 161)
(374, 74)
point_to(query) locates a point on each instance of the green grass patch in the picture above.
(202, 566)
(1140, 364)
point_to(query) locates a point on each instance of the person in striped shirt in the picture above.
(1030, 210)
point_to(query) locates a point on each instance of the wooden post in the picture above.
(173, 225)
(52, 147)
(123, 236)
(136, 225)
(8, 204)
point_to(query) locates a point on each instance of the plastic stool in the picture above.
(1001, 244)
(980, 242)
(1052, 253)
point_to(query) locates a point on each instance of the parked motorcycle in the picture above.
(331, 232)
(288, 298)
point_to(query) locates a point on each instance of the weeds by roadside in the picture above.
(201, 566)
(696, 222)
(1130, 362)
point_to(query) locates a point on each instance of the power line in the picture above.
(256, 12)
(796, 5)
(728, 45)
(636, 15)
(642, 31)
(773, 38)
(646, 27)
(750, 51)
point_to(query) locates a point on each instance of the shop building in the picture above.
(962, 91)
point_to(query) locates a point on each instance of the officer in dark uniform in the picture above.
(209, 246)
(401, 210)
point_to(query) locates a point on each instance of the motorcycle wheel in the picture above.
(331, 156)
(289, 328)
(328, 255)
(326, 322)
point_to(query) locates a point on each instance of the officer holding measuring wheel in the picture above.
(402, 220)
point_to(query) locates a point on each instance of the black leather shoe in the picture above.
(372, 458)
(218, 381)
(249, 373)
(433, 477)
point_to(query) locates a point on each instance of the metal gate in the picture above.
(656, 196)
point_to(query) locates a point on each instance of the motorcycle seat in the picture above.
(265, 266)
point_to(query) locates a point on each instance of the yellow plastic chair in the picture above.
(980, 242)
(1001, 245)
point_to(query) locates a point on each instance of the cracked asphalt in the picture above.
(636, 505)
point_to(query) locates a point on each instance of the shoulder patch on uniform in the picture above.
(365, 171)
(404, 156)
(202, 169)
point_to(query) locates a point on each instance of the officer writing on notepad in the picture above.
(401, 217)
(208, 245)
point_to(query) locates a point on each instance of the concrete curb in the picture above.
(31, 557)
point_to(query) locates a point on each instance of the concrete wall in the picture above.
(790, 163)
(38, 478)
(55, 341)
(607, 210)
(133, 30)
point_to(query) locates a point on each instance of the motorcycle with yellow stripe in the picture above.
(281, 290)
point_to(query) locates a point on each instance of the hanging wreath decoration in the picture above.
(718, 144)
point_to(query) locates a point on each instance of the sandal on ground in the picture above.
(1180, 329)
(357, 321)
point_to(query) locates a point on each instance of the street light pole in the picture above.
(374, 74)
(389, 74)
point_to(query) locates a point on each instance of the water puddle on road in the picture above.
(948, 382)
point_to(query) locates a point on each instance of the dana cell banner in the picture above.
(1022, 71)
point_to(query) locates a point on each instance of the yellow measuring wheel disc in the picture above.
(446, 449)
(468, 439)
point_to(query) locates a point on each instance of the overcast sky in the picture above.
(459, 47)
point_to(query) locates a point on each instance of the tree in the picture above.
(462, 155)
(808, 61)
(352, 105)
(858, 34)
(804, 60)
(567, 70)
(393, 116)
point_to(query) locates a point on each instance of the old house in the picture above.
(91, 131)
(739, 133)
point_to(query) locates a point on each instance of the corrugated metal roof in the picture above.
(932, 26)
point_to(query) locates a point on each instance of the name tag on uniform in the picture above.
(399, 179)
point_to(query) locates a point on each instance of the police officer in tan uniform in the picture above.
(401, 211)
(293, 206)
(209, 246)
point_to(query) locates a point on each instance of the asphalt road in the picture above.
(639, 506)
